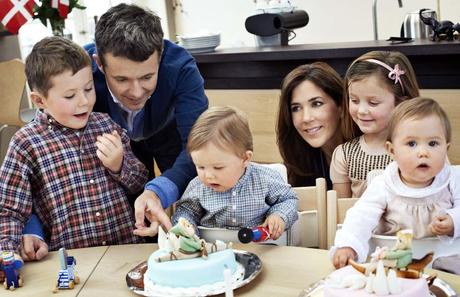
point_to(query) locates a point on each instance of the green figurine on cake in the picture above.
(181, 242)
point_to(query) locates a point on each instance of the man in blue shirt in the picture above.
(153, 89)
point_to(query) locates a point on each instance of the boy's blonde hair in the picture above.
(418, 108)
(224, 126)
(52, 56)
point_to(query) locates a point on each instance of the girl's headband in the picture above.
(394, 73)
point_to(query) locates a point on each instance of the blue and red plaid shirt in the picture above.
(54, 170)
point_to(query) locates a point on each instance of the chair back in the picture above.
(336, 211)
(310, 228)
(12, 86)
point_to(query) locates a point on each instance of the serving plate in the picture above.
(439, 288)
(249, 266)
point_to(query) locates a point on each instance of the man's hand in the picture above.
(442, 225)
(148, 205)
(110, 151)
(342, 255)
(33, 248)
(275, 226)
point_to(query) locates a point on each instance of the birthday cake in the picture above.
(391, 271)
(183, 260)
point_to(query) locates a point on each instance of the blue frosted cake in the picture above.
(183, 260)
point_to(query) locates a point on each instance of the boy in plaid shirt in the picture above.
(230, 191)
(71, 166)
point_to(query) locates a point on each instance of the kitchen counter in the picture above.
(436, 64)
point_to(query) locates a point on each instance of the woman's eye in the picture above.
(88, 89)
(70, 96)
(295, 108)
(316, 103)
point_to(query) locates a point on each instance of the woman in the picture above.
(308, 127)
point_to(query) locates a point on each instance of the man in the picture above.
(153, 89)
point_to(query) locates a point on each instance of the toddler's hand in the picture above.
(275, 226)
(442, 225)
(341, 256)
(110, 151)
(33, 248)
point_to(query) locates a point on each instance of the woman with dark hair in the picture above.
(308, 128)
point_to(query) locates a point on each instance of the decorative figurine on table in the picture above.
(67, 278)
(399, 257)
(256, 234)
(10, 267)
(181, 242)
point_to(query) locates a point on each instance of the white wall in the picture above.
(330, 20)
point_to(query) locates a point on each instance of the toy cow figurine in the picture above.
(10, 267)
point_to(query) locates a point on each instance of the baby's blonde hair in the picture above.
(224, 126)
(418, 108)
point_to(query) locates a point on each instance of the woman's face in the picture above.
(315, 114)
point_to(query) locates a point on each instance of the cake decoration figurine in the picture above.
(181, 242)
(391, 271)
(9, 267)
(399, 257)
(256, 234)
(67, 277)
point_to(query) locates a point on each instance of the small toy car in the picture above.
(67, 278)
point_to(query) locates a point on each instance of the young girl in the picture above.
(374, 84)
(230, 191)
(418, 191)
(308, 128)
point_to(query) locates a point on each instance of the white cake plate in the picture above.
(248, 267)
(439, 288)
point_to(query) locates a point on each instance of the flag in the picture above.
(62, 6)
(15, 13)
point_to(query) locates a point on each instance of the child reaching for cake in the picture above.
(419, 190)
(230, 191)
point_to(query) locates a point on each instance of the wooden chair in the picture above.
(12, 86)
(310, 228)
(336, 211)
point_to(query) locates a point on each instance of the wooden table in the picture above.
(286, 271)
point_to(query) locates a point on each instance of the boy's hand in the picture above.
(33, 248)
(341, 256)
(110, 151)
(442, 225)
(275, 226)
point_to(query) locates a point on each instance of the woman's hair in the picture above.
(418, 108)
(224, 126)
(297, 154)
(388, 67)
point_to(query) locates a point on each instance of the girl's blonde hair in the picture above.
(225, 127)
(362, 68)
(418, 108)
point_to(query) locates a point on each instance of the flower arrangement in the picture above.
(56, 12)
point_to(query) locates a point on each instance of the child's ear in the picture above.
(38, 99)
(98, 62)
(247, 157)
(390, 149)
(448, 146)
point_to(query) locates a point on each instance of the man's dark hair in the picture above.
(129, 31)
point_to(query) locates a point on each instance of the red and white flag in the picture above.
(15, 13)
(62, 6)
